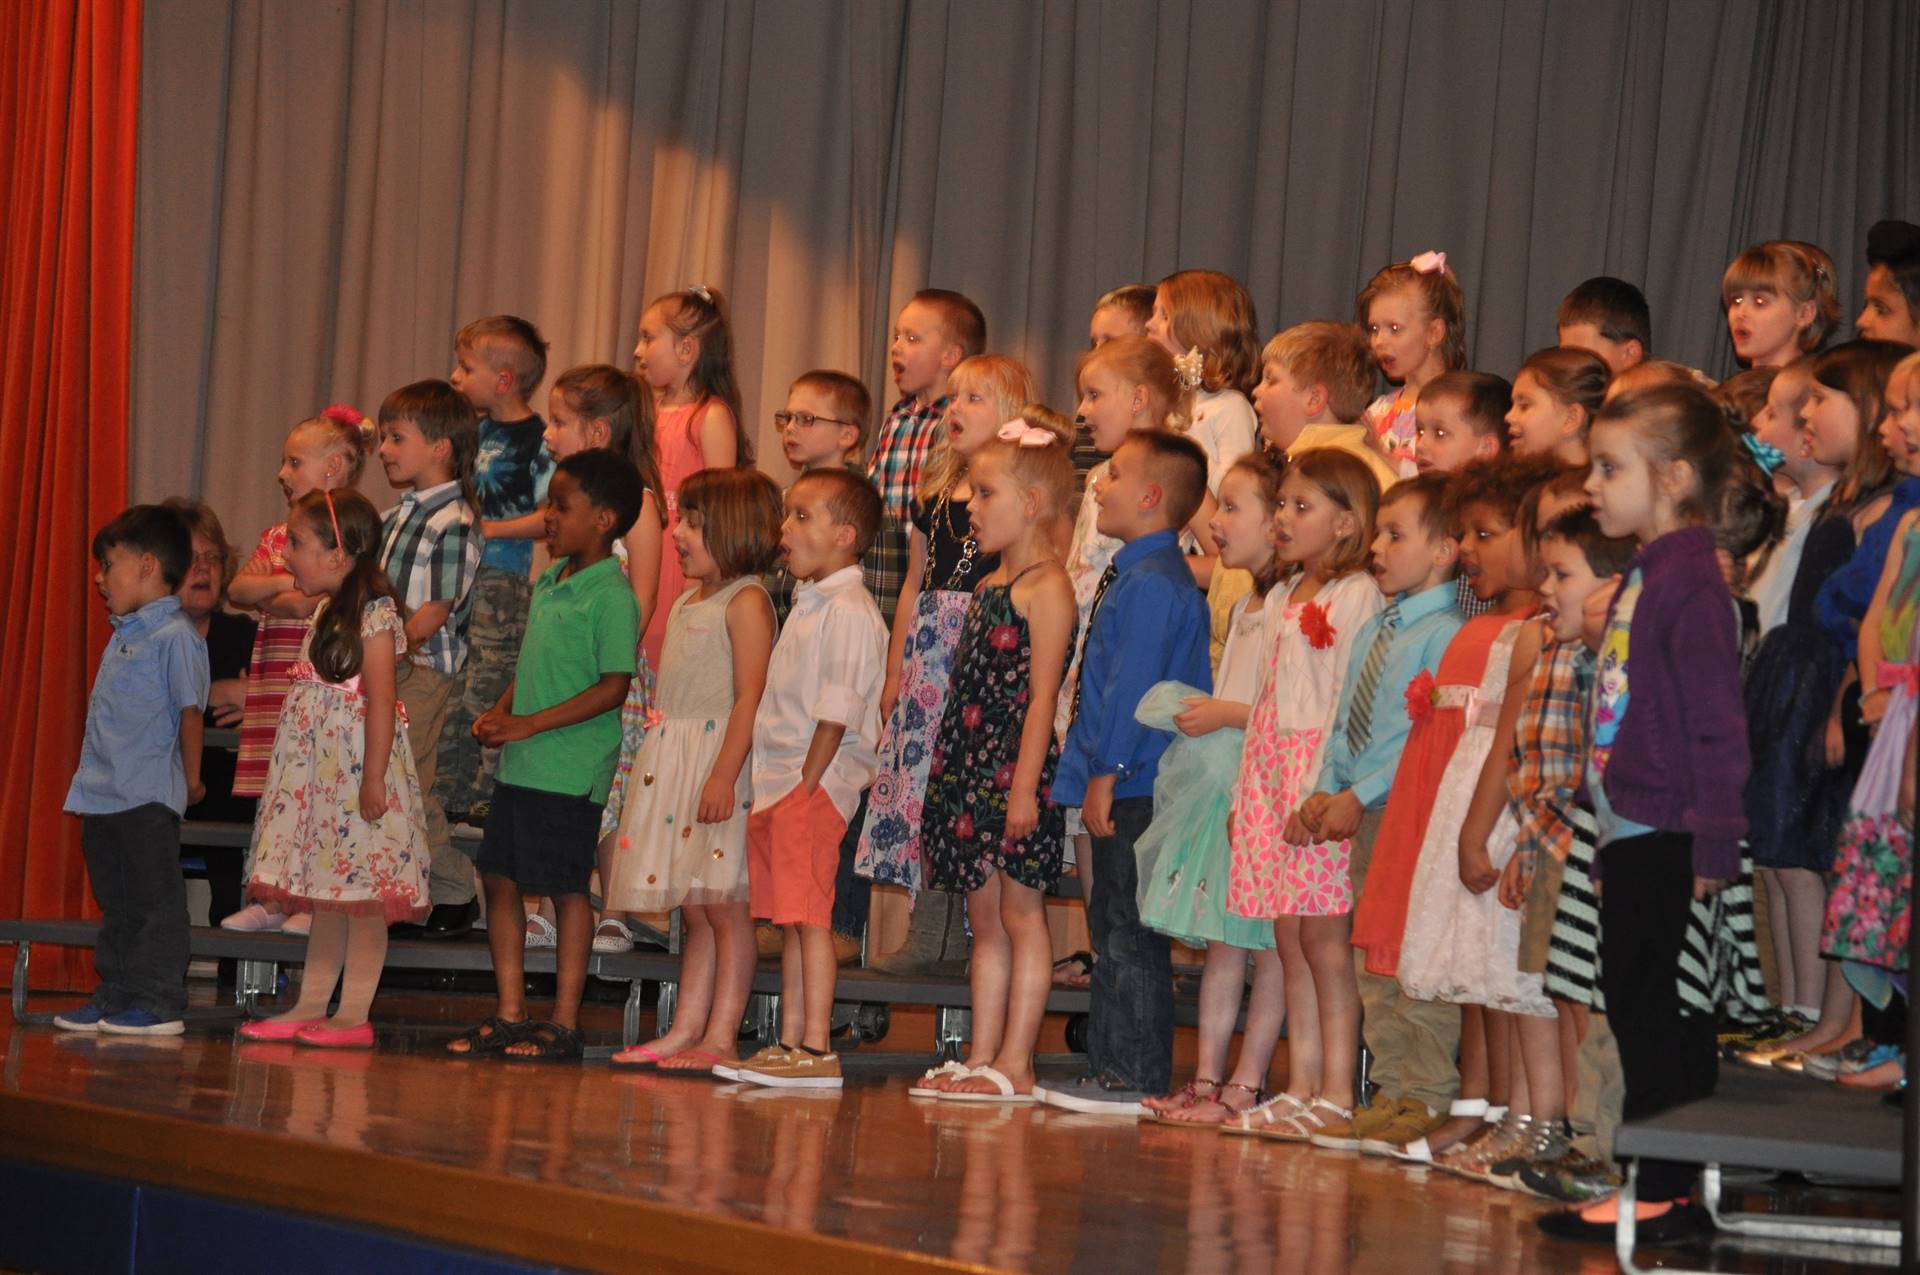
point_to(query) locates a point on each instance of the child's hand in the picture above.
(1705, 888)
(889, 696)
(1476, 869)
(1340, 816)
(1204, 715)
(1515, 882)
(1023, 816)
(196, 793)
(1097, 810)
(373, 797)
(1873, 707)
(1836, 742)
(1310, 811)
(496, 728)
(716, 801)
(1296, 833)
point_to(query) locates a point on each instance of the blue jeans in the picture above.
(1130, 1029)
(852, 893)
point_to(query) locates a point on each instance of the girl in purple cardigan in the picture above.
(1667, 766)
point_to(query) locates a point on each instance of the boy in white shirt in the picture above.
(816, 744)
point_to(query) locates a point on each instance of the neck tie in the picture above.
(1360, 714)
(1099, 596)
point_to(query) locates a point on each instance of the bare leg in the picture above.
(1326, 941)
(1475, 1077)
(734, 960)
(1023, 917)
(1805, 895)
(695, 1003)
(1782, 936)
(1499, 1029)
(1839, 1016)
(1304, 1063)
(793, 989)
(509, 951)
(989, 971)
(1519, 1096)
(1266, 1014)
(366, 957)
(1540, 1058)
(326, 953)
(1573, 1030)
(1221, 982)
(821, 971)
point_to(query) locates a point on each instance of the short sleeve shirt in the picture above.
(510, 473)
(579, 628)
(153, 670)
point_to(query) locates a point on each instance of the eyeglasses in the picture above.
(210, 558)
(806, 420)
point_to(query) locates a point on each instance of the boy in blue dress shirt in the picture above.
(139, 769)
(1148, 625)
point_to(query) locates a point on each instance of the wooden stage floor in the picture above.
(583, 1167)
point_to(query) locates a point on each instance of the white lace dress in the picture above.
(1462, 947)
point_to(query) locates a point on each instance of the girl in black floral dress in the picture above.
(989, 826)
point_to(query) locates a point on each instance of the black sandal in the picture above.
(490, 1038)
(551, 1043)
(1064, 973)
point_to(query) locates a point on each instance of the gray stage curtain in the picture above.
(328, 190)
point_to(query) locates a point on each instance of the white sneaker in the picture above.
(254, 919)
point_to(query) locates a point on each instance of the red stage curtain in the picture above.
(69, 102)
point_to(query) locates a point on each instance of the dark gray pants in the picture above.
(133, 861)
(1130, 1028)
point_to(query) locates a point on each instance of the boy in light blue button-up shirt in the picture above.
(139, 769)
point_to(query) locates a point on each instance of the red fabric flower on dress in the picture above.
(1422, 694)
(1315, 626)
(1003, 637)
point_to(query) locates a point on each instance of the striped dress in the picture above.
(276, 648)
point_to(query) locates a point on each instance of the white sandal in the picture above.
(611, 937)
(1255, 1121)
(1003, 1087)
(951, 1067)
(1301, 1126)
(541, 932)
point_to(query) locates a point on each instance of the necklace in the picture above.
(942, 521)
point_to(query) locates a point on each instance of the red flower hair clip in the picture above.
(1422, 695)
(1315, 627)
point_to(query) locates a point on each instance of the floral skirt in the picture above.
(633, 731)
(1871, 906)
(890, 851)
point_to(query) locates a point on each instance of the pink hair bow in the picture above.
(1429, 263)
(1021, 434)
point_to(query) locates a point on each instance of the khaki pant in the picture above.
(1600, 1090)
(1414, 1043)
(427, 695)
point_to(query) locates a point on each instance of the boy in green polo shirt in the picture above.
(558, 727)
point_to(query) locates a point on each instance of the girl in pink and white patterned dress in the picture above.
(1323, 529)
(341, 830)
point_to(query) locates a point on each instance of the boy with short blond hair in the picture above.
(816, 739)
(498, 362)
(1316, 380)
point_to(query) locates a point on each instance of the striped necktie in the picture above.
(1360, 714)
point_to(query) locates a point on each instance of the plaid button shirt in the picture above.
(905, 438)
(430, 550)
(1549, 751)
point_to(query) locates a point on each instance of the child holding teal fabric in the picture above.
(1184, 853)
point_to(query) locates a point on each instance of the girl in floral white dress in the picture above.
(1323, 530)
(340, 831)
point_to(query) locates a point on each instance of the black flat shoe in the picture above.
(1681, 1224)
(451, 920)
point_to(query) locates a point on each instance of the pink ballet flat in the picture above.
(321, 1036)
(275, 1029)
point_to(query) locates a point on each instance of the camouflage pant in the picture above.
(494, 630)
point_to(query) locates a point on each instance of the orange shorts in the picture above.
(793, 856)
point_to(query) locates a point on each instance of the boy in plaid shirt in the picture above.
(430, 551)
(936, 329)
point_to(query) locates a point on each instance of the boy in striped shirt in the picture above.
(430, 551)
